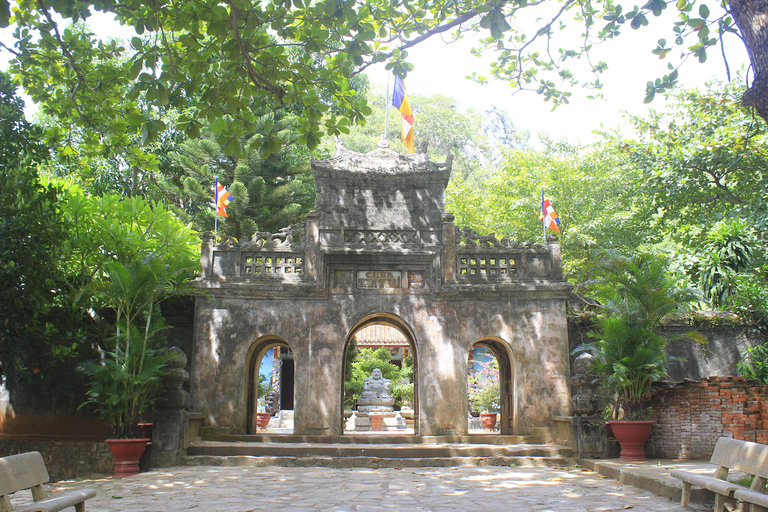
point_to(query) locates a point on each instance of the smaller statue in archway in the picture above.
(272, 401)
(377, 394)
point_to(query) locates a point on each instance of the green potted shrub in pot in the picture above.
(484, 391)
(630, 346)
(125, 381)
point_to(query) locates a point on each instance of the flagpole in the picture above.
(215, 207)
(386, 109)
(543, 216)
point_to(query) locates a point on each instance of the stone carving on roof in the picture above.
(288, 238)
(381, 160)
(468, 238)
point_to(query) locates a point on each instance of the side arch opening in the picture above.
(493, 393)
(386, 342)
(269, 389)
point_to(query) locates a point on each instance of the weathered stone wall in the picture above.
(690, 416)
(443, 332)
(381, 248)
(726, 339)
(65, 459)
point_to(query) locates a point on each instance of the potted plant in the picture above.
(125, 381)
(630, 348)
(483, 386)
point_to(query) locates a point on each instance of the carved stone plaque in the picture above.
(379, 279)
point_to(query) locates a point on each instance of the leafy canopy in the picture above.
(240, 57)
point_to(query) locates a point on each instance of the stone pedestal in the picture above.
(390, 421)
(170, 431)
(587, 423)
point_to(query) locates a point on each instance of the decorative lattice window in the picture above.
(486, 265)
(272, 263)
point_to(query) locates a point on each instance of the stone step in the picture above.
(375, 462)
(375, 455)
(375, 450)
(218, 434)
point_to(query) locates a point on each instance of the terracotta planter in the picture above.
(488, 419)
(632, 436)
(262, 419)
(127, 453)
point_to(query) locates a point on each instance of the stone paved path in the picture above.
(244, 489)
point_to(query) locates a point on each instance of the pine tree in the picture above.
(268, 194)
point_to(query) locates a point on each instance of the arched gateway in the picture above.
(380, 248)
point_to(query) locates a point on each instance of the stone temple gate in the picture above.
(381, 249)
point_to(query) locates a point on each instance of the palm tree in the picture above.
(629, 352)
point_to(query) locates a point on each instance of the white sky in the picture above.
(441, 69)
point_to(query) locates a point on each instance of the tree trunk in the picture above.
(751, 16)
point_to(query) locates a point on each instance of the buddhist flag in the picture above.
(223, 198)
(548, 214)
(400, 101)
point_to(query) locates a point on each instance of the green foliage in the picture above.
(592, 189)
(40, 335)
(37, 332)
(484, 386)
(247, 57)
(269, 192)
(113, 228)
(703, 160)
(638, 295)
(262, 388)
(366, 361)
(126, 381)
(120, 391)
(752, 298)
(754, 363)
(19, 140)
(730, 248)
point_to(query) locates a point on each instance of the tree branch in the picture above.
(81, 79)
(426, 35)
(252, 73)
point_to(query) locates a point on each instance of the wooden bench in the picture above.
(27, 471)
(731, 454)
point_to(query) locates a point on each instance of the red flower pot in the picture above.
(127, 453)
(262, 419)
(488, 419)
(632, 436)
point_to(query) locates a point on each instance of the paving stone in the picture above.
(241, 489)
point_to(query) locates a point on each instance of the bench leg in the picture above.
(719, 503)
(686, 496)
(80, 507)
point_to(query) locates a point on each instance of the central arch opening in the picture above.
(380, 376)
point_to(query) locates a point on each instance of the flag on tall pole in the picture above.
(401, 103)
(548, 215)
(223, 198)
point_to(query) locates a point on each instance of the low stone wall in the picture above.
(690, 416)
(64, 459)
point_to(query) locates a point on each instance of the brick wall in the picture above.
(691, 415)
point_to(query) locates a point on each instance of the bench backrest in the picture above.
(745, 456)
(19, 472)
